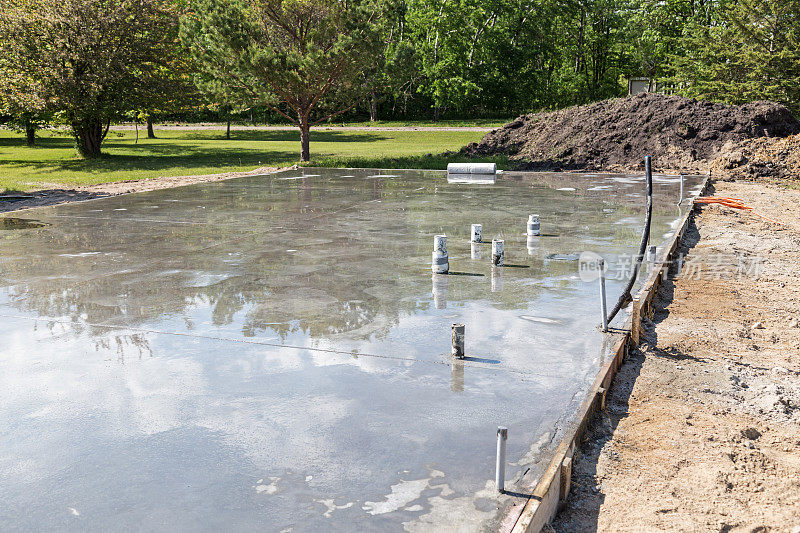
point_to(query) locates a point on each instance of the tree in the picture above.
(88, 60)
(300, 58)
(751, 53)
(20, 107)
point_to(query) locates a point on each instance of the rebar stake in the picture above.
(603, 305)
(500, 468)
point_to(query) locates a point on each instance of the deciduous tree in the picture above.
(87, 60)
(301, 58)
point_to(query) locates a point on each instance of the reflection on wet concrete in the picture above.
(271, 351)
(457, 376)
(440, 282)
(12, 223)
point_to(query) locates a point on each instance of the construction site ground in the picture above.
(702, 426)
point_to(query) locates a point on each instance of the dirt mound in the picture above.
(760, 158)
(680, 133)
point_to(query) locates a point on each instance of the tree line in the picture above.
(88, 63)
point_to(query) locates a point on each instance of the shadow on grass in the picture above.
(41, 142)
(285, 136)
(162, 157)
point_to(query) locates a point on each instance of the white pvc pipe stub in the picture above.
(471, 168)
(533, 225)
(651, 253)
(476, 233)
(457, 338)
(440, 261)
(498, 252)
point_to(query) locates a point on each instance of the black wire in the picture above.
(626, 294)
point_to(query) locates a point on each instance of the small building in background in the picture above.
(640, 85)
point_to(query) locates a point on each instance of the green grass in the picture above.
(53, 164)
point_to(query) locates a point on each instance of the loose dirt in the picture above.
(60, 196)
(760, 158)
(613, 135)
(702, 428)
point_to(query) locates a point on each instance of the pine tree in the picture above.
(752, 54)
(301, 58)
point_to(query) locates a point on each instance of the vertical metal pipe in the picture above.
(680, 198)
(500, 467)
(603, 306)
(457, 338)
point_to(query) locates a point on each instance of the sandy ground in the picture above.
(60, 196)
(702, 429)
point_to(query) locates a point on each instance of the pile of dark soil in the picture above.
(770, 158)
(615, 135)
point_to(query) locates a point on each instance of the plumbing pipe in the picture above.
(533, 225)
(471, 168)
(500, 466)
(440, 261)
(476, 231)
(457, 341)
(626, 294)
(498, 252)
(652, 253)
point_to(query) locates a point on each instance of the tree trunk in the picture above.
(305, 138)
(228, 129)
(150, 133)
(436, 111)
(88, 137)
(30, 133)
(373, 107)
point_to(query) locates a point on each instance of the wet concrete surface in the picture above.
(272, 352)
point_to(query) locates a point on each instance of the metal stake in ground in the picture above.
(500, 467)
(457, 349)
(601, 265)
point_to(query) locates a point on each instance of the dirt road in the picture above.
(702, 429)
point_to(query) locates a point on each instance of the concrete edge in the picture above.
(553, 488)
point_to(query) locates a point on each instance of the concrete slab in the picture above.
(273, 352)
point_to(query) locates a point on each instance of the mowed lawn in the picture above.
(52, 162)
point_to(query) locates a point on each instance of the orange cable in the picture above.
(734, 203)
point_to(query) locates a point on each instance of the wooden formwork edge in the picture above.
(553, 487)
